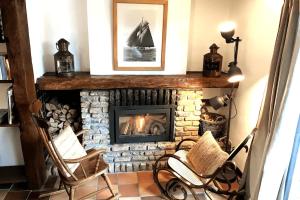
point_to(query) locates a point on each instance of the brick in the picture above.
(192, 118)
(123, 167)
(198, 108)
(183, 123)
(196, 123)
(143, 166)
(170, 151)
(183, 133)
(122, 159)
(104, 99)
(191, 128)
(137, 147)
(189, 108)
(184, 92)
(151, 157)
(152, 146)
(129, 167)
(198, 103)
(120, 147)
(178, 138)
(182, 114)
(197, 112)
(105, 109)
(126, 153)
(179, 108)
(148, 153)
(166, 145)
(117, 167)
(95, 110)
(139, 158)
(159, 153)
(111, 167)
(191, 137)
(178, 129)
(84, 93)
(185, 102)
(136, 166)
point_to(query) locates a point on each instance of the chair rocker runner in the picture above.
(74, 170)
(184, 176)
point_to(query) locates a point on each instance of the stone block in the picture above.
(148, 153)
(159, 153)
(179, 108)
(182, 114)
(183, 123)
(185, 102)
(189, 108)
(84, 93)
(198, 108)
(166, 145)
(182, 97)
(151, 157)
(129, 167)
(117, 167)
(123, 167)
(136, 166)
(191, 128)
(196, 123)
(122, 159)
(95, 105)
(120, 147)
(105, 109)
(138, 147)
(198, 102)
(104, 99)
(192, 118)
(143, 166)
(139, 158)
(197, 112)
(178, 129)
(84, 104)
(95, 110)
(85, 115)
(152, 146)
(184, 92)
(111, 167)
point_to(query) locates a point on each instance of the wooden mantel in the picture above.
(83, 80)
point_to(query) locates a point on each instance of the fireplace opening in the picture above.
(133, 124)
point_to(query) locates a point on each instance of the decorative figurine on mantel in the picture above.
(212, 62)
(64, 60)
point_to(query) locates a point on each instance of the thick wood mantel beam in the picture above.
(82, 80)
(18, 49)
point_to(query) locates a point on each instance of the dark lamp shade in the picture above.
(235, 74)
(227, 35)
(218, 102)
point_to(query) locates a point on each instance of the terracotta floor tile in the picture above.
(22, 195)
(145, 176)
(127, 178)
(82, 191)
(130, 198)
(91, 183)
(152, 198)
(130, 190)
(62, 196)
(106, 193)
(148, 189)
(164, 176)
(3, 194)
(113, 178)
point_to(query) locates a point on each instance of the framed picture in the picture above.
(139, 34)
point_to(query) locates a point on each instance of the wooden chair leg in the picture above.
(71, 195)
(109, 185)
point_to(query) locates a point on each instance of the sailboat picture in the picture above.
(140, 45)
(139, 34)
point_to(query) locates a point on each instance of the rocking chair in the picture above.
(75, 166)
(184, 176)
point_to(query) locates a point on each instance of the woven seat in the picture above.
(75, 166)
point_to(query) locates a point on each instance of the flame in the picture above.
(140, 123)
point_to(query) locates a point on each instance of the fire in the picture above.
(140, 123)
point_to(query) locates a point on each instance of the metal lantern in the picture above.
(212, 62)
(64, 60)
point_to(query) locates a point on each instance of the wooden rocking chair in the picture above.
(183, 177)
(73, 172)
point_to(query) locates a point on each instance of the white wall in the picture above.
(206, 16)
(257, 25)
(101, 38)
(50, 20)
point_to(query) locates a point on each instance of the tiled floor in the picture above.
(130, 186)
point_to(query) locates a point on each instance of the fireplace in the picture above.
(135, 124)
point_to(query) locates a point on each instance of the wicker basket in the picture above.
(213, 122)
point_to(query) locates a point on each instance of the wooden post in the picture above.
(18, 49)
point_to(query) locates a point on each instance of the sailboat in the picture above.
(140, 45)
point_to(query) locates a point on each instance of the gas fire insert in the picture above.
(148, 123)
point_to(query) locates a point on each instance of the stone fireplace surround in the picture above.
(136, 156)
(95, 95)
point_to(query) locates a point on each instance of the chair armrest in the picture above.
(178, 147)
(89, 155)
(81, 132)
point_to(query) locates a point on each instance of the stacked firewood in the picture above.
(60, 116)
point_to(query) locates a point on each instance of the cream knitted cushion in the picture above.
(206, 155)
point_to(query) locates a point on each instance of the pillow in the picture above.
(206, 155)
(69, 147)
